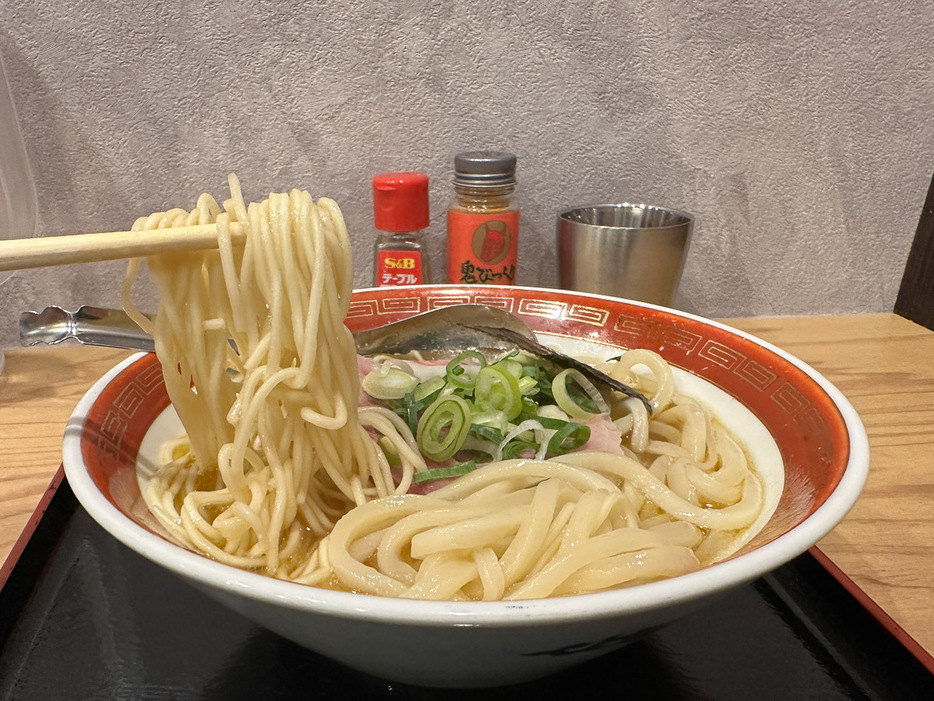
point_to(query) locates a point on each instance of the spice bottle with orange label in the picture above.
(400, 213)
(483, 220)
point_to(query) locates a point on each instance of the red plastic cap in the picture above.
(400, 201)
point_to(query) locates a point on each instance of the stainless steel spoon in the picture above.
(461, 327)
(445, 327)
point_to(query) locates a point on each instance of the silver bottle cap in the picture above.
(485, 168)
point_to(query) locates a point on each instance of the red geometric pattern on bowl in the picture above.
(114, 429)
(802, 418)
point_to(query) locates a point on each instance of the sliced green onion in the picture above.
(513, 367)
(515, 448)
(530, 371)
(552, 411)
(550, 423)
(516, 435)
(528, 385)
(411, 417)
(408, 410)
(492, 418)
(564, 400)
(440, 473)
(427, 388)
(388, 382)
(487, 433)
(482, 450)
(443, 427)
(497, 389)
(545, 386)
(567, 438)
(457, 375)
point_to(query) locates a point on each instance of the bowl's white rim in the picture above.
(646, 597)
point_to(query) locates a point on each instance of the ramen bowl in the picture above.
(803, 436)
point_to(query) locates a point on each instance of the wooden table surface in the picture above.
(883, 363)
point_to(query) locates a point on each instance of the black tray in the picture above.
(83, 617)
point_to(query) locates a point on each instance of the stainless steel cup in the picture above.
(634, 251)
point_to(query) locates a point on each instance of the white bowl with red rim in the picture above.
(813, 433)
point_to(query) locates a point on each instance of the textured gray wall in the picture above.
(800, 134)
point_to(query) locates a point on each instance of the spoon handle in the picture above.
(93, 326)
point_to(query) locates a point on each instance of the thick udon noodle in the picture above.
(279, 472)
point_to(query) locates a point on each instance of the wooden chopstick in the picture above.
(19, 254)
